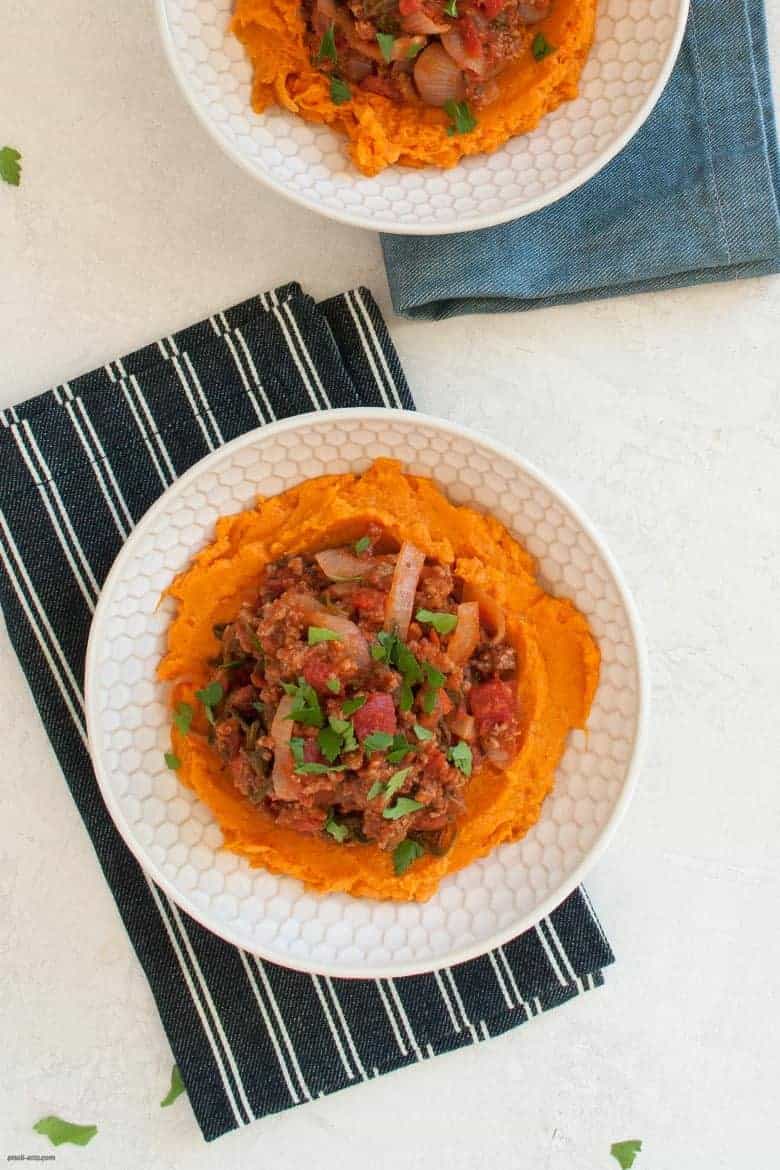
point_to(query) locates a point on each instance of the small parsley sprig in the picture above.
(443, 623)
(10, 168)
(463, 121)
(541, 47)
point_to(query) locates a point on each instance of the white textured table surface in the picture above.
(659, 414)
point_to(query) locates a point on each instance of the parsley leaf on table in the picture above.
(176, 1089)
(10, 170)
(59, 1131)
(625, 1152)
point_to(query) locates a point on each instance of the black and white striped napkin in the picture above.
(79, 466)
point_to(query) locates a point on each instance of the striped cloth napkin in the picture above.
(79, 466)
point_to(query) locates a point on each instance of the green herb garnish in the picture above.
(541, 47)
(364, 543)
(377, 741)
(319, 634)
(329, 742)
(333, 685)
(182, 717)
(451, 8)
(306, 706)
(327, 49)
(414, 51)
(210, 696)
(422, 733)
(337, 831)
(400, 747)
(395, 782)
(463, 121)
(231, 665)
(625, 1152)
(435, 677)
(318, 769)
(172, 761)
(406, 698)
(176, 1089)
(461, 756)
(296, 747)
(10, 170)
(385, 42)
(443, 623)
(405, 854)
(353, 705)
(59, 1131)
(375, 789)
(401, 808)
(339, 91)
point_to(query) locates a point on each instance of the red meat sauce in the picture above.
(377, 734)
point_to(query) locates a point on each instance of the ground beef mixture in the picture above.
(356, 694)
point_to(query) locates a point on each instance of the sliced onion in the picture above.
(282, 778)
(498, 756)
(465, 639)
(463, 725)
(408, 566)
(340, 565)
(452, 43)
(350, 636)
(402, 47)
(533, 11)
(420, 24)
(490, 611)
(438, 78)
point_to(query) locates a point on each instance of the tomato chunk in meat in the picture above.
(376, 714)
(492, 702)
(318, 669)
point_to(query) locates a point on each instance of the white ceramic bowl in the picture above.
(635, 48)
(175, 837)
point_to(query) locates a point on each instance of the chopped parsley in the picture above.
(210, 695)
(10, 170)
(59, 1131)
(422, 733)
(391, 787)
(405, 854)
(315, 769)
(232, 665)
(329, 742)
(319, 634)
(353, 705)
(443, 623)
(461, 757)
(377, 741)
(176, 1089)
(399, 748)
(339, 91)
(625, 1152)
(333, 685)
(402, 807)
(463, 121)
(172, 761)
(182, 717)
(296, 747)
(306, 706)
(338, 832)
(414, 50)
(435, 681)
(327, 49)
(541, 47)
(375, 789)
(385, 42)
(451, 8)
(364, 544)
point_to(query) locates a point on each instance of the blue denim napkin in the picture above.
(692, 198)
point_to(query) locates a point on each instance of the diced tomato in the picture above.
(376, 714)
(492, 702)
(317, 669)
(312, 753)
(491, 8)
(471, 39)
(370, 602)
(407, 7)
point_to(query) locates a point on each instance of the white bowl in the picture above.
(636, 45)
(175, 837)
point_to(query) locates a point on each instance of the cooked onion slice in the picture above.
(400, 600)
(350, 636)
(452, 43)
(490, 611)
(465, 639)
(340, 565)
(438, 78)
(420, 24)
(463, 725)
(282, 779)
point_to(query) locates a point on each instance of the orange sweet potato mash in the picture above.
(558, 666)
(382, 132)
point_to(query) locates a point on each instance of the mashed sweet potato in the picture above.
(383, 132)
(558, 666)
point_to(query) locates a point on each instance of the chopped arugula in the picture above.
(625, 1152)
(451, 8)
(461, 756)
(182, 717)
(319, 634)
(422, 733)
(172, 761)
(59, 1131)
(364, 543)
(377, 741)
(176, 1089)
(353, 705)
(541, 47)
(463, 121)
(306, 705)
(443, 623)
(405, 854)
(385, 42)
(401, 808)
(10, 170)
(337, 831)
(333, 685)
(327, 49)
(339, 91)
